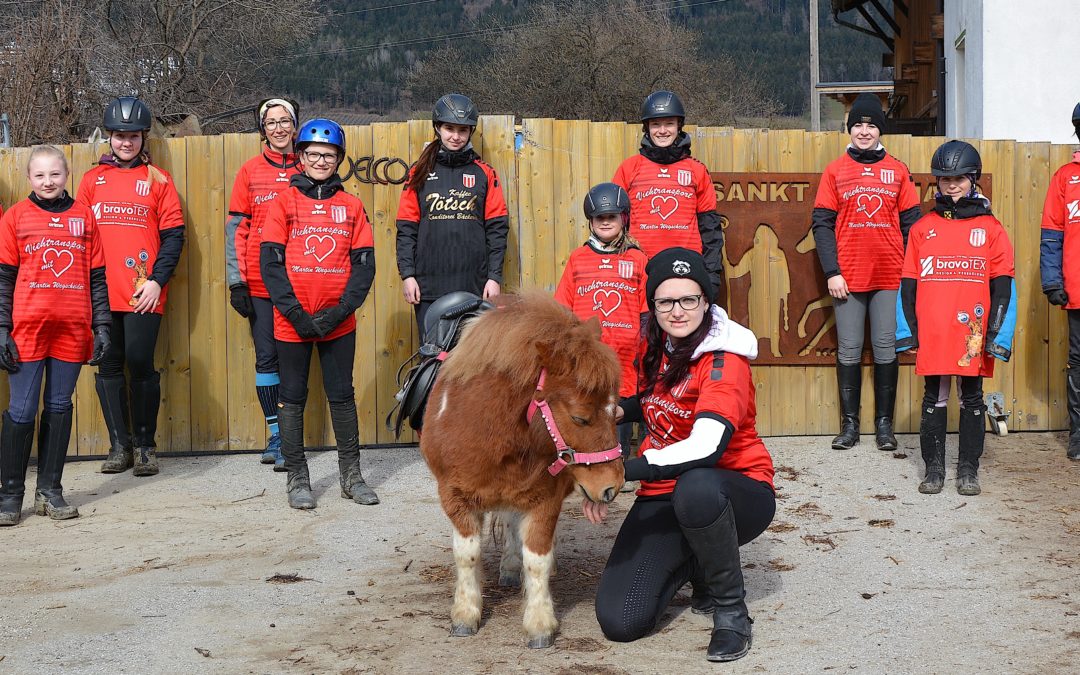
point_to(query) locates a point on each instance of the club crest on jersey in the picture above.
(605, 264)
(142, 187)
(978, 237)
(888, 176)
(76, 226)
(1074, 209)
(685, 177)
(318, 210)
(626, 269)
(678, 390)
(338, 213)
(468, 180)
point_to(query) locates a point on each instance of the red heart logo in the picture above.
(57, 261)
(319, 246)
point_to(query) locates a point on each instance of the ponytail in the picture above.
(424, 165)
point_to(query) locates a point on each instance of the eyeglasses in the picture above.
(270, 125)
(687, 302)
(316, 157)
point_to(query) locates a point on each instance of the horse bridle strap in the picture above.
(565, 455)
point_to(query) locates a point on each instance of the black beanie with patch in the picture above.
(866, 108)
(677, 263)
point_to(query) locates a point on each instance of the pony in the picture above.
(521, 415)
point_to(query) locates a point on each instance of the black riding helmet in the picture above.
(127, 113)
(662, 104)
(455, 109)
(956, 158)
(606, 198)
(1076, 119)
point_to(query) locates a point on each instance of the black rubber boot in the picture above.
(849, 382)
(932, 442)
(53, 436)
(885, 376)
(718, 577)
(112, 393)
(347, 434)
(972, 436)
(145, 401)
(16, 442)
(1072, 385)
(298, 482)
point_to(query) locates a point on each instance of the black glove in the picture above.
(303, 323)
(326, 320)
(102, 342)
(9, 353)
(1057, 296)
(240, 299)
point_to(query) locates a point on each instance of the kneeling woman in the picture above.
(54, 315)
(706, 477)
(318, 261)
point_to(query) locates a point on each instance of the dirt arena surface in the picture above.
(204, 568)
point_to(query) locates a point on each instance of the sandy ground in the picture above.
(859, 572)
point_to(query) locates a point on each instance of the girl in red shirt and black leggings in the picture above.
(54, 315)
(142, 233)
(318, 261)
(865, 205)
(706, 477)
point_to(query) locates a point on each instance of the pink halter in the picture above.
(565, 455)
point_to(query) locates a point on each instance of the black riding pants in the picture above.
(651, 558)
(134, 337)
(336, 359)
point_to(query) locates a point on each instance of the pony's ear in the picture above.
(544, 349)
(592, 326)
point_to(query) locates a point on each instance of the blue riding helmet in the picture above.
(321, 130)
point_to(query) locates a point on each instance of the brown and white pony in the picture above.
(491, 442)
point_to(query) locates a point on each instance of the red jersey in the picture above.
(258, 182)
(665, 200)
(318, 236)
(1061, 212)
(54, 253)
(130, 211)
(868, 200)
(953, 262)
(610, 287)
(718, 384)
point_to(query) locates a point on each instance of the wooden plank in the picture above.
(570, 173)
(395, 320)
(535, 208)
(207, 296)
(499, 151)
(609, 144)
(1032, 176)
(246, 424)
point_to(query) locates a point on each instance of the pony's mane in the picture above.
(505, 340)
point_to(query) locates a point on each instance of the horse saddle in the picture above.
(442, 326)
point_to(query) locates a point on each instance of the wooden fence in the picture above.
(205, 351)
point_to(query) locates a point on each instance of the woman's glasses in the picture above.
(270, 125)
(316, 157)
(687, 302)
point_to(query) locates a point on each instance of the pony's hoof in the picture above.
(509, 580)
(462, 630)
(542, 642)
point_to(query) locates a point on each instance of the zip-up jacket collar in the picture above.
(456, 158)
(866, 156)
(313, 189)
(965, 207)
(280, 160)
(58, 205)
(678, 150)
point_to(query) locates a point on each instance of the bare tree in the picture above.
(589, 60)
(63, 59)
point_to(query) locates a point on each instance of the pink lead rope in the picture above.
(562, 450)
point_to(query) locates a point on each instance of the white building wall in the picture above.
(1015, 76)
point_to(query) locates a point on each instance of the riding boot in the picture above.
(849, 382)
(972, 435)
(54, 433)
(112, 393)
(932, 442)
(885, 376)
(1072, 385)
(145, 401)
(16, 441)
(347, 435)
(718, 575)
(298, 482)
